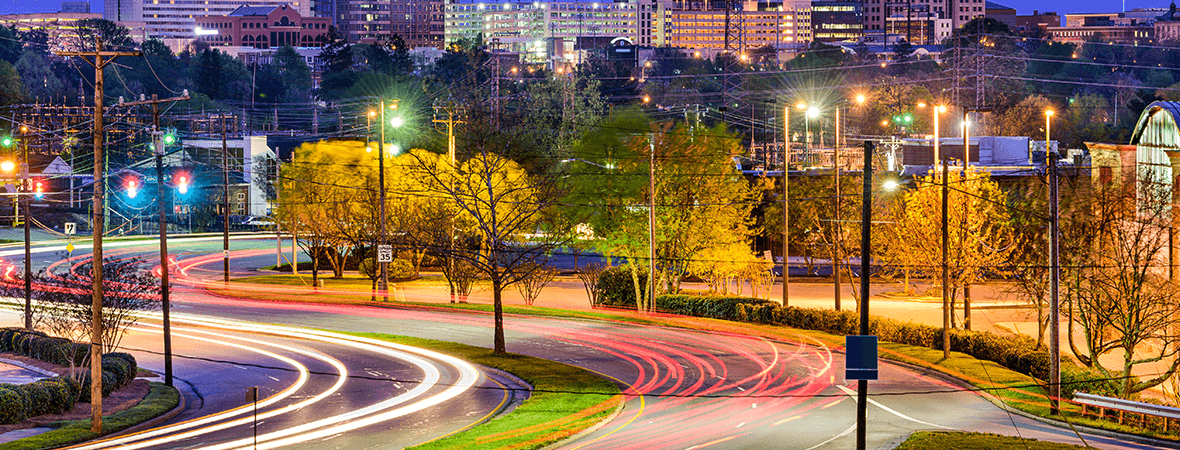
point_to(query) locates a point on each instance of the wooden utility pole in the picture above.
(450, 122)
(26, 185)
(98, 215)
(159, 145)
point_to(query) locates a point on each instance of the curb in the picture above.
(28, 367)
(180, 406)
(598, 426)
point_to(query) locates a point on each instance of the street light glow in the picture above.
(1049, 112)
(7, 166)
(889, 185)
(860, 99)
(801, 106)
(812, 112)
(397, 122)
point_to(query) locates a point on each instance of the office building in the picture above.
(263, 27)
(174, 21)
(418, 22)
(836, 21)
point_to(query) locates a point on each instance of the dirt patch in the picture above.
(119, 400)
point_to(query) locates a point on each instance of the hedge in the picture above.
(616, 288)
(1018, 353)
(58, 394)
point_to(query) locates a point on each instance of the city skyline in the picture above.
(1059, 6)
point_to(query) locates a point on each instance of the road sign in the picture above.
(384, 253)
(860, 359)
(71, 228)
(769, 256)
(70, 247)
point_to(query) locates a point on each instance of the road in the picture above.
(686, 389)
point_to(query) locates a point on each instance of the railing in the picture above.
(1150, 416)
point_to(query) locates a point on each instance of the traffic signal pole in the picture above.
(160, 148)
(26, 184)
(225, 211)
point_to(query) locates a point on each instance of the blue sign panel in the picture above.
(860, 361)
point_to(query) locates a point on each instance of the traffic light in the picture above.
(39, 189)
(132, 188)
(7, 141)
(182, 182)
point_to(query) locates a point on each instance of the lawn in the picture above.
(954, 440)
(565, 399)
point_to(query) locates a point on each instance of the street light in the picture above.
(396, 122)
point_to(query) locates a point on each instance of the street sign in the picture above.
(71, 228)
(70, 248)
(384, 253)
(769, 256)
(860, 359)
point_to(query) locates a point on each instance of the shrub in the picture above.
(40, 399)
(12, 407)
(401, 269)
(717, 307)
(127, 367)
(61, 394)
(616, 288)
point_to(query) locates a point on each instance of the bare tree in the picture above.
(505, 206)
(589, 275)
(530, 287)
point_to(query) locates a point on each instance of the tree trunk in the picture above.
(498, 341)
(638, 290)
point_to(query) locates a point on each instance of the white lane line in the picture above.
(366, 416)
(838, 436)
(127, 440)
(852, 394)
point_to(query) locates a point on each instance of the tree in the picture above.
(1115, 289)
(1027, 118)
(10, 45)
(558, 109)
(294, 73)
(11, 88)
(979, 229)
(702, 201)
(505, 206)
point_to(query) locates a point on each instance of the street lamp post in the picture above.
(786, 204)
(946, 299)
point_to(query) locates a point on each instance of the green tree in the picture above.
(295, 75)
(37, 74)
(10, 45)
(11, 88)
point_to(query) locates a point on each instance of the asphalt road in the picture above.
(687, 389)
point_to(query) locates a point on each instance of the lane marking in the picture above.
(852, 394)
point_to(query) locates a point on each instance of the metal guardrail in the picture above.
(1099, 401)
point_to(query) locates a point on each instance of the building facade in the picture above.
(1139, 34)
(62, 28)
(263, 27)
(174, 21)
(939, 17)
(418, 22)
(836, 21)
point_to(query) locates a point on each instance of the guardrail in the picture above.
(1149, 415)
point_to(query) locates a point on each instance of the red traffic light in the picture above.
(132, 188)
(39, 188)
(182, 183)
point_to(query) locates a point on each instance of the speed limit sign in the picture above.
(384, 253)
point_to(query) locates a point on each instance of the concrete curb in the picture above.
(598, 426)
(28, 367)
(180, 406)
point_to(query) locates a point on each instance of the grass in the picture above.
(565, 399)
(159, 400)
(954, 440)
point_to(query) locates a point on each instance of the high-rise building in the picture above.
(567, 30)
(418, 22)
(836, 20)
(75, 7)
(917, 21)
(174, 21)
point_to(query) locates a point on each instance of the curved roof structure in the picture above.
(1157, 126)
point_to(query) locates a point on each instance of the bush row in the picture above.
(118, 370)
(1018, 353)
(46, 396)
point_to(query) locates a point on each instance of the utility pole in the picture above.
(25, 185)
(1054, 277)
(450, 122)
(160, 146)
(98, 215)
(946, 307)
(651, 225)
(225, 204)
(383, 278)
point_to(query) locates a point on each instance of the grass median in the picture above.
(925, 440)
(565, 401)
(160, 399)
